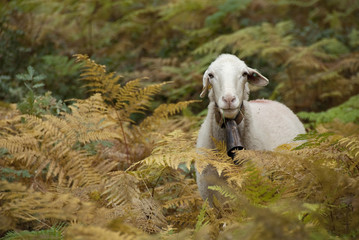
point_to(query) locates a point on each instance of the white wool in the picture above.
(266, 124)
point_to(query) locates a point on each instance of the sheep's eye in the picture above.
(245, 74)
(210, 75)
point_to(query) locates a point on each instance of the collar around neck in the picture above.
(220, 120)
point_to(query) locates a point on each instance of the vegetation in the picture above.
(86, 153)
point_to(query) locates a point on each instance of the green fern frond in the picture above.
(258, 189)
(54, 233)
(201, 216)
(346, 112)
(223, 192)
(265, 40)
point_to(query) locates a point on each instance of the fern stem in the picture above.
(123, 132)
(158, 179)
(124, 135)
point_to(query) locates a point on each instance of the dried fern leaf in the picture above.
(121, 188)
(22, 204)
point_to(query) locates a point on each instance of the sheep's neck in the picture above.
(220, 120)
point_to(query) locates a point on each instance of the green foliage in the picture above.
(258, 189)
(312, 55)
(201, 217)
(346, 112)
(224, 9)
(31, 80)
(11, 175)
(34, 103)
(53, 233)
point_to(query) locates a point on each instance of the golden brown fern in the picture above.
(20, 204)
(96, 232)
(128, 99)
(54, 144)
(124, 100)
(121, 188)
(97, 78)
(162, 112)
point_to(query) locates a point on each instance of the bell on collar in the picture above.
(233, 138)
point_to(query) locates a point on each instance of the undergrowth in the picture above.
(92, 172)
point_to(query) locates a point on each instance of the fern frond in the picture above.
(127, 91)
(49, 143)
(99, 80)
(352, 145)
(54, 233)
(312, 57)
(19, 143)
(147, 215)
(22, 204)
(223, 191)
(218, 159)
(94, 233)
(174, 149)
(137, 101)
(201, 216)
(121, 188)
(265, 40)
(181, 202)
(163, 112)
(346, 112)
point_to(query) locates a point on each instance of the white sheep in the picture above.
(263, 124)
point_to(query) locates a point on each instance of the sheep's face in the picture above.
(228, 76)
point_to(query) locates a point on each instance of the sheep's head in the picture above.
(229, 78)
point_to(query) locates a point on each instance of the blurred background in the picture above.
(308, 49)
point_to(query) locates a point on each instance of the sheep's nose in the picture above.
(229, 99)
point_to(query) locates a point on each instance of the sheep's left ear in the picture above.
(205, 84)
(254, 77)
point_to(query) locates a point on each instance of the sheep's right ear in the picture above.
(205, 85)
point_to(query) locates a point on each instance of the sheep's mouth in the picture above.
(229, 113)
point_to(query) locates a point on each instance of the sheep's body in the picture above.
(266, 125)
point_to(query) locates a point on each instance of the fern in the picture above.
(54, 233)
(48, 144)
(346, 112)
(98, 80)
(10, 174)
(96, 232)
(166, 152)
(259, 190)
(163, 112)
(22, 204)
(222, 191)
(128, 99)
(201, 217)
(121, 189)
(265, 39)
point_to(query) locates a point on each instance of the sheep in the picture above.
(263, 124)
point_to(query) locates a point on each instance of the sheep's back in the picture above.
(269, 124)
